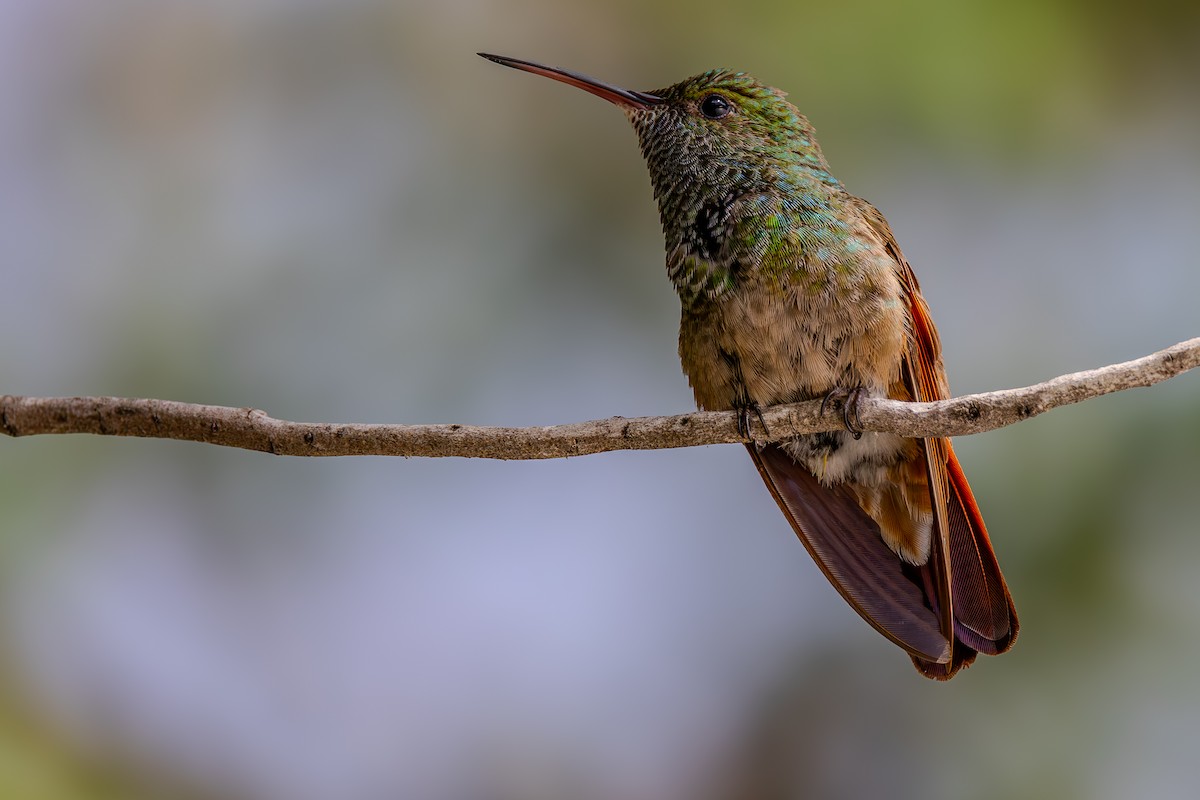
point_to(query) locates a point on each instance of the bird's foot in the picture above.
(849, 399)
(744, 413)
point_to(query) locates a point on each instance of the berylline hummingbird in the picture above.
(794, 289)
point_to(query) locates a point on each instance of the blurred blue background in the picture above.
(334, 211)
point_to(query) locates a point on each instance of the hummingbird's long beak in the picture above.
(625, 98)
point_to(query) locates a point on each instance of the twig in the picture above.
(252, 429)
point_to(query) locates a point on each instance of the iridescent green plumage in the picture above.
(747, 191)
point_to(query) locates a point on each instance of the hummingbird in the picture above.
(793, 289)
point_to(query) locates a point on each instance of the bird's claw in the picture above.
(850, 398)
(743, 420)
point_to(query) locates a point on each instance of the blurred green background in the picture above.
(334, 211)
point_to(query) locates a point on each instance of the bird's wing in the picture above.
(973, 600)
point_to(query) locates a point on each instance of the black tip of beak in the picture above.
(625, 98)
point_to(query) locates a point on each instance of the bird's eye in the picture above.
(715, 106)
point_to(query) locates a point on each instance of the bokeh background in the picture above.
(334, 211)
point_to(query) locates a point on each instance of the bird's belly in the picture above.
(762, 349)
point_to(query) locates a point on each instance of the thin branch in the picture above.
(252, 429)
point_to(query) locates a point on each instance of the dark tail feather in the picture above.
(847, 546)
(985, 620)
(984, 615)
(960, 658)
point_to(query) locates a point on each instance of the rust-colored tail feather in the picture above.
(984, 614)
